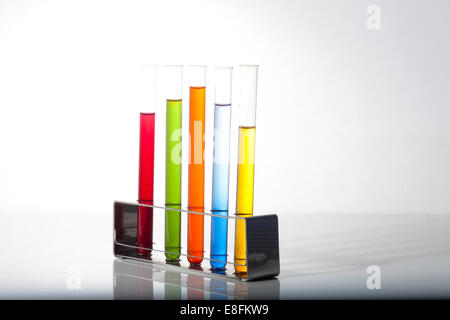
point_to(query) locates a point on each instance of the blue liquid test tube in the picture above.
(221, 166)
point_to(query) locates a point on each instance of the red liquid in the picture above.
(146, 173)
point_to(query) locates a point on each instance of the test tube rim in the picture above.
(148, 65)
(197, 65)
(224, 67)
(173, 65)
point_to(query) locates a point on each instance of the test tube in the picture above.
(147, 84)
(196, 174)
(246, 160)
(221, 166)
(173, 93)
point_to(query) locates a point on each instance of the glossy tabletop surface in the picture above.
(322, 257)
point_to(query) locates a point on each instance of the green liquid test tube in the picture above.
(173, 178)
(173, 162)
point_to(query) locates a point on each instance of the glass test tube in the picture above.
(147, 102)
(173, 93)
(196, 175)
(221, 165)
(246, 159)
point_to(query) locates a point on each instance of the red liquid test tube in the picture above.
(146, 174)
(146, 159)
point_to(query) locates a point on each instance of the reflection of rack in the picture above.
(139, 280)
(261, 237)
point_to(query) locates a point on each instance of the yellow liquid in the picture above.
(244, 197)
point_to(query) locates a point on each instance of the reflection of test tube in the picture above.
(173, 84)
(195, 285)
(221, 166)
(146, 157)
(197, 83)
(246, 159)
(172, 283)
(218, 287)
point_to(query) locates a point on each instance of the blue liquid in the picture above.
(221, 168)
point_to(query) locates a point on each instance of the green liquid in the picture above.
(173, 179)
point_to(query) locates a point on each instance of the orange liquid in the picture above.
(196, 173)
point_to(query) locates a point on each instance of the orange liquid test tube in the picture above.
(196, 174)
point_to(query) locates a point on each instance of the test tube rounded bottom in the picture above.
(172, 231)
(195, 238)
(145, 229)
(219, 227)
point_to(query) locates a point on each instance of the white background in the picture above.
(350, 120)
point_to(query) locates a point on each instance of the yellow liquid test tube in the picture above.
(246, 161)
(244, 202)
